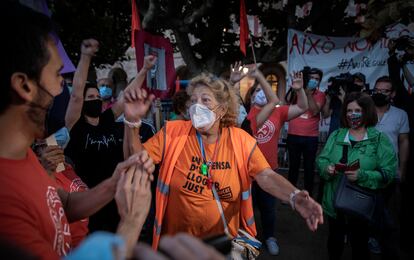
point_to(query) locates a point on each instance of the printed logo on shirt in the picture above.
(62, 238)
(77, 185)
(197, 182)
(100, 140)
(265, 133)
(225, 193)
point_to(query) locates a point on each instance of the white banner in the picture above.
(336, 55)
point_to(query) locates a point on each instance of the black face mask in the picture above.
(92, 108)
(34, 116)
(380, 100)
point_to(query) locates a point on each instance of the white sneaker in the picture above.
(272, 246)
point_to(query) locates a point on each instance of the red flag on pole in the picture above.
(135, 22)
(160, 79)
(244, 27)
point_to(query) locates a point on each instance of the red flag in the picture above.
(244, 28)
(135, 22)
(160, 80)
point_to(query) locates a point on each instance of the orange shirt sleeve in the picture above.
(257, 162)
(155, 146)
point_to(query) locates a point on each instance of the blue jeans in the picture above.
(308, 146)
(267, 207)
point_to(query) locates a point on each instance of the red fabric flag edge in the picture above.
(244, 28)
(135, 22)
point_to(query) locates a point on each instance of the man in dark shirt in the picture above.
(95, 145)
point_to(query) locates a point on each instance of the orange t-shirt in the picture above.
(71, 182)
(31, 214)
(191, 206)
(267, 135)
(308, 124)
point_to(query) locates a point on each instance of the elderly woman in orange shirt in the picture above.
(207, 166)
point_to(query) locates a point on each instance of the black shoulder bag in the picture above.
(353, 199)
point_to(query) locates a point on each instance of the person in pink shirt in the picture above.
(303, 131)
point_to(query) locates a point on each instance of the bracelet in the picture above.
(292, 198)
(132, 124)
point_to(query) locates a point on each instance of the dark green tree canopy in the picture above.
(205, 31)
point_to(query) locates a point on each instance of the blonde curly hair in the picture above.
(224, 94)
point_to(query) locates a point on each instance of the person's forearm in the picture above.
(302, 99)
(267, 89)
(403, 150)
(80, 205)
(139, 79)
(125, 143)
(132, 143)
(313, 107)
(118, 107)
(129, 230)
(74, 109)
(326, 111)
(275, 184)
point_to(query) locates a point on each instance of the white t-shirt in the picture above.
(393, 123)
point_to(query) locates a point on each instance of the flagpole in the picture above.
(254, 55)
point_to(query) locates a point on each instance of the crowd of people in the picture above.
(85, 175)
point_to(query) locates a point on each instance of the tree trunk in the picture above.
(184, 46)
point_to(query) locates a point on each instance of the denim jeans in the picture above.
(308, 146)
(267, 207)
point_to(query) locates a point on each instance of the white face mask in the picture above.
(260, 98)
(201, 116)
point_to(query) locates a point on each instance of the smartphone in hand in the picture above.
(353, 166)
(340, 167)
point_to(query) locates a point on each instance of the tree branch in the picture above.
(184, 46)
(200, 12)
(150, 14)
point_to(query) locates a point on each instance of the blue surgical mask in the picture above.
(105, 92)
(313, 84)
(260, 98)
(70, 87)
(62, 137)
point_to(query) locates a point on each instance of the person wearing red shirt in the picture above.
(303, 132)
(51, 157)
(35, 211)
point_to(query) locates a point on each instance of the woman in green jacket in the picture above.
(378, 164)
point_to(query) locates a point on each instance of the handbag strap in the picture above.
(213, 188)
(344, 158)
